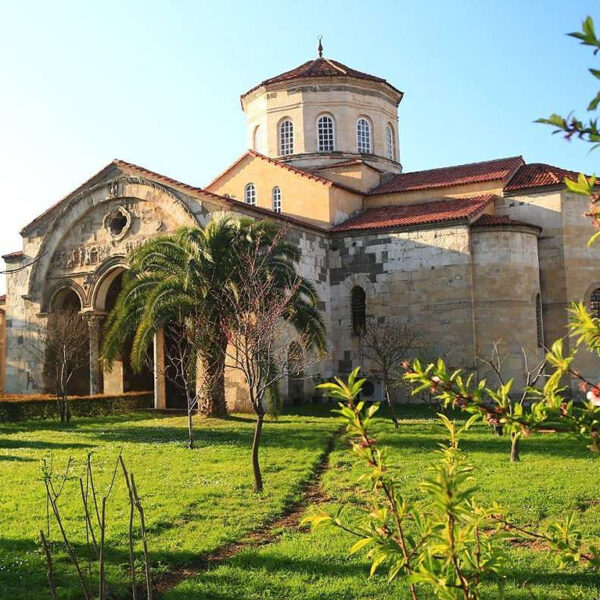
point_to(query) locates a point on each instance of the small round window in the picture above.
(117, 222)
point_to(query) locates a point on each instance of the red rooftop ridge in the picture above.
(487, 220)
(538, 175)
(411, 215)
(321, 67)
(501, 169)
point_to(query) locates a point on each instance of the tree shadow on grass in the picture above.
(273, 436)
(558, 444)
(9, 458)
(19, 444)
(77, 423)
(233, 583)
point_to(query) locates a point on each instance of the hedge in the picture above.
(81, 406)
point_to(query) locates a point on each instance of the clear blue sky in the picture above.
(158, 83)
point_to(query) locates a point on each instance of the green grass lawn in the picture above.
(197, 501)
(556, 474)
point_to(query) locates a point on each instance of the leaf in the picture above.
(376, 563)
(360, 545)
(593, 239)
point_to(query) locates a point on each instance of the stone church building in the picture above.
(468, 254)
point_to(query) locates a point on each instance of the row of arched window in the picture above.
(250, 196)
(326, 137)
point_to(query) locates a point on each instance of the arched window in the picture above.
(258, 140)
(250, 194)
(390, 142)
(286, 138)
(326, 134)
(363, 136)
(358, 307)
(595, 303)
(539, 323)
(276, 196)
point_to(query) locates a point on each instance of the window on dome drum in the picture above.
(358, 305)
(390, 143)
(363, 136)
(326, 133)
(258, 141)
(539, 321)
(595, 303)
(250, 194)
(286, 138)
(276, 195)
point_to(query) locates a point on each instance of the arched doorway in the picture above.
(121, 377)
(66, 299)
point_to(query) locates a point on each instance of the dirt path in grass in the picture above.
(310, 493)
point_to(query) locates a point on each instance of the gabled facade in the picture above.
(469, 255)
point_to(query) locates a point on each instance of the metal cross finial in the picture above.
(320, 47)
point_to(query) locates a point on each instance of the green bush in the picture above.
(93, 406)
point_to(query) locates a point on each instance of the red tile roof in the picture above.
(321, 67)
(490, 170)
(538, 175)
(136, 170)
(409, 215)
(349, 163)
(500, 221)
(283, 165)
(11, 255)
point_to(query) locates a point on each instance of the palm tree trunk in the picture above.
(212, 395)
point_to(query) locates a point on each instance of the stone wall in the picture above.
(420, 277)
(568, 268)
(506, 282)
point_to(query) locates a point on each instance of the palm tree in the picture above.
(181, 278)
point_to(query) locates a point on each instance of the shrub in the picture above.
(86, 406)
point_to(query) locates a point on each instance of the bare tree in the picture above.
(183, 340)
(388, 345)
(62, 350)
(531, 376)
(95, 519)
(261, 345)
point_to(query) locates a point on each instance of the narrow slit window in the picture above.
(595, 303)
(359, 310)
(539, 322)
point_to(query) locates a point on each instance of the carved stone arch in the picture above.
(349, 287)
(120, 188)
(106, 273)
(57, 289)
(361, 280)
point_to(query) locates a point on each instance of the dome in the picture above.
(322, 67)
(323, 112)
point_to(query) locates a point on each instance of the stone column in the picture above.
(113, 379)
(160, 387)
(94, 321)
